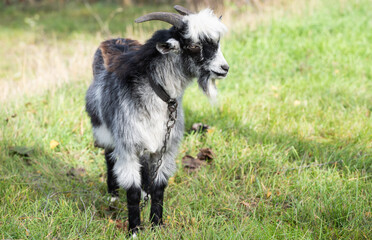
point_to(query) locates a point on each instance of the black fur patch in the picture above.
(113, 48)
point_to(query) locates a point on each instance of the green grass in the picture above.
(292, 135)
(72, 18)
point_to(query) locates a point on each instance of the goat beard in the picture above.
(208, 86)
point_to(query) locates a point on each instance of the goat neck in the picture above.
(167, 73)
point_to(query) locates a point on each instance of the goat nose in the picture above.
(225, 67)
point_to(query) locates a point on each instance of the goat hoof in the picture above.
(134, 232)
(157, 225)
(134, 235)
(113, 199)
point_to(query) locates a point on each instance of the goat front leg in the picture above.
(166, 170)
(134, 215)
(157, 197)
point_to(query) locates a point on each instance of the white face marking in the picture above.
(175, 44)
(204, 25)
(218, 61)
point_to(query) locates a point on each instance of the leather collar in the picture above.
(159, 90)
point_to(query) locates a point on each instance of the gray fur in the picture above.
(127, 115)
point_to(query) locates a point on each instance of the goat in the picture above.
(129, 115)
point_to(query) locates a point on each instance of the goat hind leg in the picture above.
(112, 185)
(127, 171)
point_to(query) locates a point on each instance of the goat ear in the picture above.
(172, 45)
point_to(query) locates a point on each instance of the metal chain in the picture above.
(172, 117)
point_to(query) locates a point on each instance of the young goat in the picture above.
(129, 98)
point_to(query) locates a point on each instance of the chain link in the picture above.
(172, 117)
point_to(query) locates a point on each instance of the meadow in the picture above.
(291, 132)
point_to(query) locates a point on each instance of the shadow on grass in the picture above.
(54, 177)
(310, 205)
(51, 179)
(348, 152)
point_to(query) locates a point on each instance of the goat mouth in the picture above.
(219, 74)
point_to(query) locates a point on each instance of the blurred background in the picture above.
(55, 39)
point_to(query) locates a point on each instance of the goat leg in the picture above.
(112, 185)
(133, 200)
(157, 197)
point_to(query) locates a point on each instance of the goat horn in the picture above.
(183, 11)
(172, 18)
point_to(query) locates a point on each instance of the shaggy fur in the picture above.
(129, 119)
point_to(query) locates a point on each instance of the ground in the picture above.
(292, 131)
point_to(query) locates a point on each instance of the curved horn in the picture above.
(172, 18)
(183, 11)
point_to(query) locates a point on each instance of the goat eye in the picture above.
(194, 48)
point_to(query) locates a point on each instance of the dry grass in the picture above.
(240, 16)
(40, 61)
(45, 65)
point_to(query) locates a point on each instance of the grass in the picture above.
(292, 134)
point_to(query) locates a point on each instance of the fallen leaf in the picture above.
(268, 194)
(251, 203)
(13, 116)
(21, 150)
(73, 172)
(53, 144)
(245, 204)
(191, 163)
(199, 128)
(206, 154)
(121, 225)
